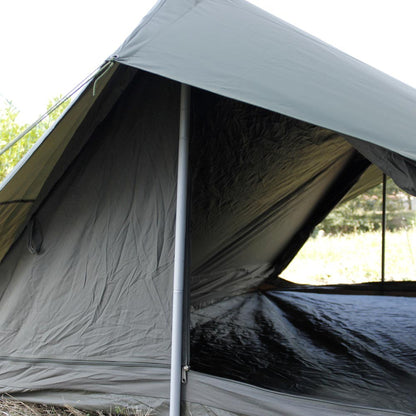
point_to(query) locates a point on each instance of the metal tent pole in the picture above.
(383, 233)
(180, 251)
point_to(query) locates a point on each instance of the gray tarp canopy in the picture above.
(237, 50)
(88, 320)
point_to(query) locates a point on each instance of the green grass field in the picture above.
(354, 258)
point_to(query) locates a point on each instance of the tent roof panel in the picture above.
(234, 49)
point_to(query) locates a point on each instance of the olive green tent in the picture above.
(282, 128)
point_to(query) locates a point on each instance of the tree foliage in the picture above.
(10, 128)
(363, 214)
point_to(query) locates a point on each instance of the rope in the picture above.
(100, 72)
(100, 76)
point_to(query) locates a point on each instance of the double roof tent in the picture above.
(281, 128)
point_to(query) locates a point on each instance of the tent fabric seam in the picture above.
(83, 362)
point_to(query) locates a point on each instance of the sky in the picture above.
(47, 46)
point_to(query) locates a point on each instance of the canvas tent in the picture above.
(282, 127)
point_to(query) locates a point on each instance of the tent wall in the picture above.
(213, 395)
(94, 307)
(29, 183)
(401, 169)
(261, 181)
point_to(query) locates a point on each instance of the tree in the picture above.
(10, 128)
(363, 213)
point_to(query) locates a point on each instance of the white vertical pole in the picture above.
(180, 246)
(383, 232)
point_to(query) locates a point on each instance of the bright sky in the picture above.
(48, 46)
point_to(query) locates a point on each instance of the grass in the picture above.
(354, 258)
(12, 407)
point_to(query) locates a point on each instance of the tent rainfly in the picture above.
(102, 304)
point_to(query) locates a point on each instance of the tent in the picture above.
(281, 127)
